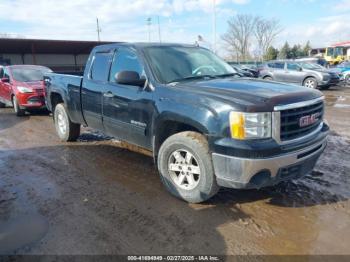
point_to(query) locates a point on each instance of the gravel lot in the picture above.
(96, 197)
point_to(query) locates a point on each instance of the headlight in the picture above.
(23, 89)
(250, 125)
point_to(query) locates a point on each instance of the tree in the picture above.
(271, 53)
(307, 48)
(239, 34)
(285, 52)
(265, 31)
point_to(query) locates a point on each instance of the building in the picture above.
(59, 55)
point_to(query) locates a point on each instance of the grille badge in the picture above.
(309, 119)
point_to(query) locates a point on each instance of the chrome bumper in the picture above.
(235, 172)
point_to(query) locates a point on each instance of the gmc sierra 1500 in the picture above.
(205, 126)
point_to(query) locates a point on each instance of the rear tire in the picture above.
(310, 82)
(65, 128)
(17, 108)
(185, 167)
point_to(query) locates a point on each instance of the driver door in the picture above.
(127, 109)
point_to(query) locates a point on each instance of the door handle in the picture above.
(108, 94)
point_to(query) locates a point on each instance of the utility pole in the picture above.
(214, 26)
(98, 30)
(149, 23)
(160, 39)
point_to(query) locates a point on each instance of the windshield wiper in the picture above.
(188, 78)
(228, 75)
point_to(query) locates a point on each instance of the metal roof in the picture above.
(40, 46)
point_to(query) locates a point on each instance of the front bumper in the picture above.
(239, 172)
(331, 81)
(31, 101)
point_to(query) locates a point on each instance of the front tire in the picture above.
(17, 108)
(185, 167)
(65, 128)
(268, 78)
(310, 82)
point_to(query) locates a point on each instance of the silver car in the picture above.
(301, 73)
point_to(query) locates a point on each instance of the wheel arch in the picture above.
(167, 127)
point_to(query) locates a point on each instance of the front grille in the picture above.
(290, 119)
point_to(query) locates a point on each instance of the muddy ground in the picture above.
(93, 197)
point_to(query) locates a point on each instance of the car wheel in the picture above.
(2, 105)
(310, 82)
(268, 78)
(325, 87)
(65, 128)
(185, 167)
(17, 108)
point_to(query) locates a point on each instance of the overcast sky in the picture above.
(320, 21)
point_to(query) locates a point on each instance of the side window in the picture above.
(100, 67)
(6, 73)
(271, 65)
(293, 66)
(125, 60)
(279, 65)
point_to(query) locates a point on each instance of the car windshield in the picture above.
(29, 74)
(178, 63)
(311, 66)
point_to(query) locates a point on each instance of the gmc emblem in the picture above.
(309, 119)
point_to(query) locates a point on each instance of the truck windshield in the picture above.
(29, 74)
(178, 63)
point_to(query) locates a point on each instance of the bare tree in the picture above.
(265, 32)
(239, 35)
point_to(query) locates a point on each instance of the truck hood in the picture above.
(249, 94)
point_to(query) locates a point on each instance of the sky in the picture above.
(321, 21)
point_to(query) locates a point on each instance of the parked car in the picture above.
(342, 67)
(22, 87)
(242, 72)
(205, 127)
(251, 69)
(302, 73)
(345, 76)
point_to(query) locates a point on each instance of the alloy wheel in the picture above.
(184, 169)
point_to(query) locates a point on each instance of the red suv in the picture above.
(23, 87)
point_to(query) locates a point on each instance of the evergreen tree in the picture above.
(285, 52)
(271, 54)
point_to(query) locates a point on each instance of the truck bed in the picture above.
(66, 86)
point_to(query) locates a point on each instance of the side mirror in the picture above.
(5, 80)
(131, 78)
(300, 69)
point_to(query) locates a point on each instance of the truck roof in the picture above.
(140, 45)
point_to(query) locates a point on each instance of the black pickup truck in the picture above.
(207, 128)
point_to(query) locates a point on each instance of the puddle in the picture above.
(21, 232)
(342, 106)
